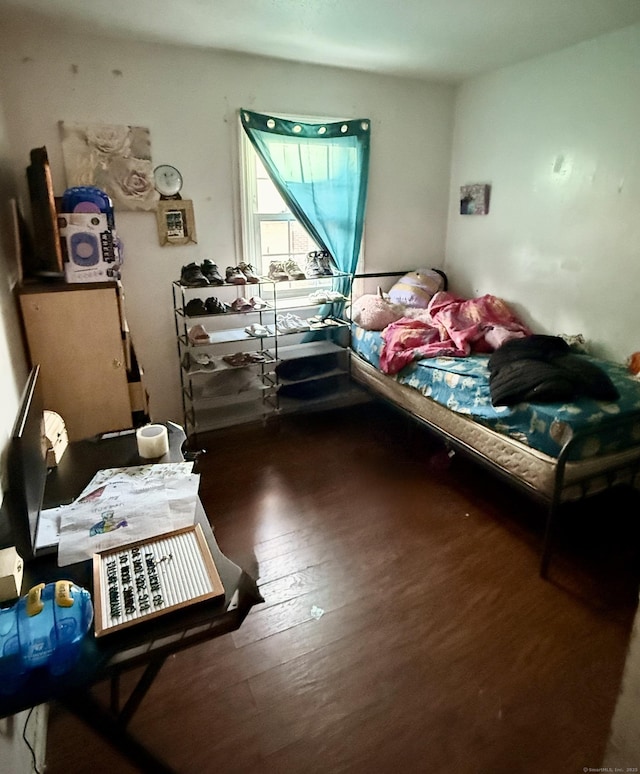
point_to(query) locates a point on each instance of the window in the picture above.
(270, 230)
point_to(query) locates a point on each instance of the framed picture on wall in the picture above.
(176, 224)
(474, 199)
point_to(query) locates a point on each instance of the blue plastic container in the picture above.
(45, 628)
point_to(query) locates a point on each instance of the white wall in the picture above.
(189, 100)
(558, 138)
(13, 372)
(14, 753)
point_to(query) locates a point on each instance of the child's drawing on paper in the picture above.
(108, 523)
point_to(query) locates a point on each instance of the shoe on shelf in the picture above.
(297, 323)
(237, 360)
(282, 325)
(213, 305)
(249, 272)
(241, 305)
(211, 272)
(294, 272)
(319, 297)
(290, 323)
(195, 308)
(277, 271)
(235, 276)
(241, 359)
(202, 363)
(198, 364)
(198, 335)
(191, 276)
(257, 330)
(324, 259)
(313, 267)
(334, 295)
(258, 304)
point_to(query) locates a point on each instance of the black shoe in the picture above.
(324, 260)
(192, 277)
(210, 271)
(215, 306)
(195, 308)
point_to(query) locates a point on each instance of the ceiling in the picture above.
(446, 40)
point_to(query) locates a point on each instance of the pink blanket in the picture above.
(449, 326)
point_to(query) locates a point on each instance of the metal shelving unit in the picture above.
(286, 371)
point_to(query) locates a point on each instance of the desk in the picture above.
(146, 644)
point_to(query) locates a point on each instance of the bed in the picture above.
(554, 452)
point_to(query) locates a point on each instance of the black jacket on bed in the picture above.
(543, 369)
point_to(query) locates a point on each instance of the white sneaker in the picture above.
(257, 330)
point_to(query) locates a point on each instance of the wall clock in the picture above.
(167, 181)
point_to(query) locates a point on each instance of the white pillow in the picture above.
(417, 288)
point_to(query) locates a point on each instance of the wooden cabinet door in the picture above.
(76, 337)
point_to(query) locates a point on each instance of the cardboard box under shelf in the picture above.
(138, 397)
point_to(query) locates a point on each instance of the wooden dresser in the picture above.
(88, 370)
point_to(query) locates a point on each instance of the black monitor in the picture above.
(27, 467)
(46, 261)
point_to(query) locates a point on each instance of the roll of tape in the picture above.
(153, 441)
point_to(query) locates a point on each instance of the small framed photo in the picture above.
(176, 224)
(474, 199)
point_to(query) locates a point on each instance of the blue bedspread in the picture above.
(462, 385)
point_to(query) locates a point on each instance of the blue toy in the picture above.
(87, 199)
(44, 628)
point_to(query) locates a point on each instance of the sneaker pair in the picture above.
(241, 274)
(196, 307)
(281, 271)
(291, 323)
(254, 304)
(260, 331)
(194, 276)
(325, 297)
(319, 264)
(241, 305)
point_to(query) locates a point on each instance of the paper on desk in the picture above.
(48, 532)
(122, 505)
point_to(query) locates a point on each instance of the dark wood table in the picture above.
(145, 645)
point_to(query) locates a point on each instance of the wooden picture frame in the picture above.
(176, 223)
(139, 581)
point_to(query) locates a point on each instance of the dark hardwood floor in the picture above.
(405, 627)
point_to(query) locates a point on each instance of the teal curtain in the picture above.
(321, 171)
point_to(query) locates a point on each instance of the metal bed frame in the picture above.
(613, 469)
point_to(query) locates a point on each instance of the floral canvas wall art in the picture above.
(113, 157)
